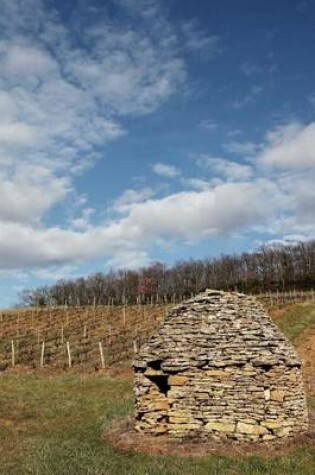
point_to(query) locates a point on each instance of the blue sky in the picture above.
(142, 130)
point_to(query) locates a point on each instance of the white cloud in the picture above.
(189, 215)
(248, 99)
(129, 259)
(63, 98)
(64, 87)
(130, 197)
(18, 135)
(163, 169)
(228, 169)
(197, 40)
(209, 125)
(241, 148)
(30, 192)
(290, 146)
(199, 183)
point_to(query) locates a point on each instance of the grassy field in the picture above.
(294, 319)
(52, 425)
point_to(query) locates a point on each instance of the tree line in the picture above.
(279, 267)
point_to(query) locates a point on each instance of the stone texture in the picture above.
(219, 367)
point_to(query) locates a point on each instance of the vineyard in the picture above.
(91, 337)
(80, 337)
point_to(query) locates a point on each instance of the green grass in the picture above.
(53, 426)
(293, 320)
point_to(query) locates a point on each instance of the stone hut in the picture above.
(219, 368)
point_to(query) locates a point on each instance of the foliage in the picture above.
(277, 267)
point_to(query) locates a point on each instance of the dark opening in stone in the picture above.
(161, 381)
(155, 364)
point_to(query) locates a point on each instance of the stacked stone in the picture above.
(219, 368)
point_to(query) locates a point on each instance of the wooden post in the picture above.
(61, 332)
(42, 355)
(124, 315)
(84, 331)
(13, 352)
(135, 346)
(102, 354)
(69, 354)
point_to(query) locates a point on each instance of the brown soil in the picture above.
(125, 438)
(305, 347)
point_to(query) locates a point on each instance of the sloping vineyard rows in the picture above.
(89, 337)
(74, 337)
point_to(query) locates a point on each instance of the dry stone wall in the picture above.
(219, 368)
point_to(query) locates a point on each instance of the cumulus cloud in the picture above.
(290, 146)
(207, 213)
(166, 170)
(64, 86)
(242, 200)
(227, 169)
(130, 197)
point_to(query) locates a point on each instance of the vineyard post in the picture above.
(13, 352)
(69, 354)
(84, 331)
(101, 354)
(124, 315)
(61, 331)
(135, 346)
(18, 324)
(42, 355)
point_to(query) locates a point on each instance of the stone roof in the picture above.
(216, 329)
